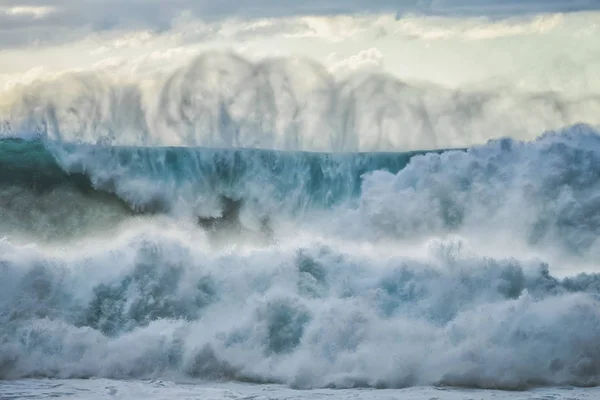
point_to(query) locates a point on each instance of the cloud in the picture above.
(437, 29)
(59, 21)
(32, 11)
(547, 52)
(366, 60)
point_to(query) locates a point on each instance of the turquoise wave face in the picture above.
(52, 189)
(30, 164)
(152, 179)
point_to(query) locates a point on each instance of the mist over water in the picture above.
(223, 100)
(291, 235)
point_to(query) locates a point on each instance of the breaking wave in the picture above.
(51, 186)
(469, 267)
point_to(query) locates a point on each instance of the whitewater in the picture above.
(263, 230)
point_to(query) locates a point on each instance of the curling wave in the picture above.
(51, 180)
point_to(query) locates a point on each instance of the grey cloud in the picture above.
(76, 18)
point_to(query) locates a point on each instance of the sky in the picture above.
(408, 38)
(59, 21)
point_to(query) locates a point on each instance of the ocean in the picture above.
(206, 272)
(179, 223)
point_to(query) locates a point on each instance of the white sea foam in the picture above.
(158, 302)
(92, 389)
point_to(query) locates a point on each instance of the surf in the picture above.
(378, 269)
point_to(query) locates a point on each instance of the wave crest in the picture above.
(544, 191)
